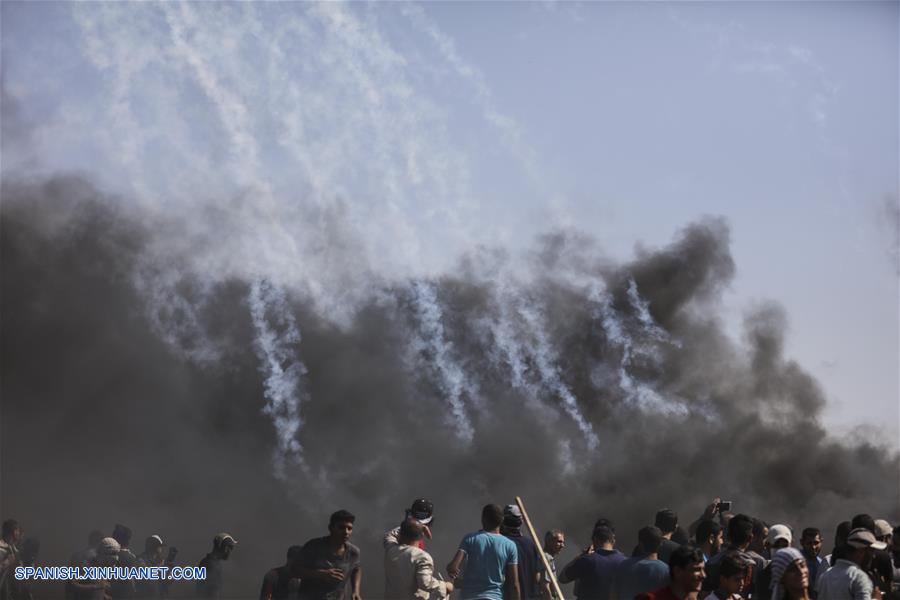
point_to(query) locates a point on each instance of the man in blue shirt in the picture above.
(595, 572)
(643, 573)
(491, 561)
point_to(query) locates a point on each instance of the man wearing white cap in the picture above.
(152, 556)
(847, 579)
(211, 587)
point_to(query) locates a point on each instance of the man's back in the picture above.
(409, 574)
(666, 549)
(595, 574)
(637, 575)
(529, 566)
(844, 581)
(487, 556)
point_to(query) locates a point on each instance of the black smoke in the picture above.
(105, 419)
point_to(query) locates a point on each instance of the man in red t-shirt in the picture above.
(687, 572)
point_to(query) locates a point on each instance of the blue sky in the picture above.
(441, 125)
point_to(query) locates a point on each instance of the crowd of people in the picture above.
(720, 556)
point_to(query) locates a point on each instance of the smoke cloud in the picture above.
(586, 387)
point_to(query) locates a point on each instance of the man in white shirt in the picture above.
(409, 570)
(847, 579)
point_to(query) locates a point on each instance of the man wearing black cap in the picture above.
(531, 568)
(847, 579)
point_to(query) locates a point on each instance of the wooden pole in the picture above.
(540, 547)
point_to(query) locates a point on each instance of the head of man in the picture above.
(740, 531)
(153, 548)
(107, 553)
(780, 536)
(883, 532)
(512, 518)
(294, 563)
(554, 542)
(666, 520)
(863, 521)
(732, 573)
(603, 538)
(760, 543)
(686, 570)
(709, 536)
(122, 534)
(12, 532)
(649, 540)
(491, 517)
(223, 544)
(811, 542)
(789, 573)
(422, 510)
(340, 526)
(859, 546)
(841, 533)
(411, 531)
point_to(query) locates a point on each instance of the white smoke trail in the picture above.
(636, 392)
(546, 362)
(276, 341)
(431, 341)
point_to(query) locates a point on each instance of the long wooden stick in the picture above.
(540, 547)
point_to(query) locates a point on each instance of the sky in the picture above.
(434, 128)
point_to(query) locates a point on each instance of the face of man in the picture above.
(226, 550)
(812, 545)
(717, 542)
(341, 531)
(733, 584)
(690, 578)
(796, 577)
(555, 544)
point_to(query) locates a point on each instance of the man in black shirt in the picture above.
(211, 587)
(667, 521)
(329, 566)
(531, 568)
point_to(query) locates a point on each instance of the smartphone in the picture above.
(723, 506)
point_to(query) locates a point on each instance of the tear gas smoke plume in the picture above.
(249, 277)
(588, 387)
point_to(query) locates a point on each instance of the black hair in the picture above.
(680, 536)
(863, 521)
(603, 535)
(682, 556)
(810, 532)
(341, 516)
(758, 527)
(294, 552)
(412, 530)
(650, 538)
(740, 529)
(122, 534)
(706, 529)
(840, 534)
(666, 520)
(491, 516)
(604, 522)
(896, 532)
(9, 526)
(732, 564)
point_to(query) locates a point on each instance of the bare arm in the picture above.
(455, 565)
(356, 581)
(512, 580)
